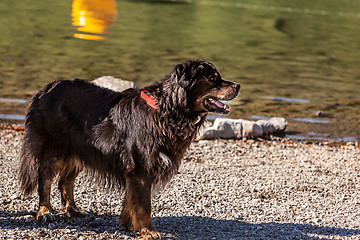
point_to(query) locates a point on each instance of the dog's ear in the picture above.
(181, 74)
(187, 73)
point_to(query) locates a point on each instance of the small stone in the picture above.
(14, 196)
(316, 220)
(51, 226)
(318, 113)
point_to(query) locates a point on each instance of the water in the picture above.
(311, 120)
(12, 117)
(13, 100)
(291, 50)
(286, 99)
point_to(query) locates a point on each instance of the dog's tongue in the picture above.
(221, 105)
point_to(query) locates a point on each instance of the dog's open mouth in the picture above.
(213, 104)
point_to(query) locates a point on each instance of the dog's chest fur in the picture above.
(174, 142)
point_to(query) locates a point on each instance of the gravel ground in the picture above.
(225, 190)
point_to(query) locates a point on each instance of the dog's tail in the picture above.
(33, 143)
(28, 171)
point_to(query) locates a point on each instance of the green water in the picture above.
(295, 49)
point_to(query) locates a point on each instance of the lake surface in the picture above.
(295, 59)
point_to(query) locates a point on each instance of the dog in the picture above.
(134, 139)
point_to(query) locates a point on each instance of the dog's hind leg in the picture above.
(46, 173)
(136, 213)
(68, 175)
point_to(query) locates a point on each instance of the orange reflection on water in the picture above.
(93, 17)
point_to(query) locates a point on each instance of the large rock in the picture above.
(274, 125)
(266, 126)
(250, 129)
(239, 128)
(223, 128)
(113, 83)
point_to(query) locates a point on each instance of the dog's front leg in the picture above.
(136, 213)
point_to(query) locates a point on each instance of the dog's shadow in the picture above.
(185, 227)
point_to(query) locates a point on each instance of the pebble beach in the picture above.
(225, 189)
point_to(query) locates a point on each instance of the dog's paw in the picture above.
(45, 214)
(46, 217)
(149, 234)
(76, 212)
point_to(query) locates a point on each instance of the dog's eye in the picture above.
(212, 79)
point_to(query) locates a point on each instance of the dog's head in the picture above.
(204, 87)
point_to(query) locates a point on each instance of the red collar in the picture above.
(149, 99)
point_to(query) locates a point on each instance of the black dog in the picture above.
(135, 138)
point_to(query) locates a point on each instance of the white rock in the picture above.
(273, 125)
(113, 83)
(230, 128)
(279, 123)
(251, 129)
(266, 126)
(223, 128)
(227, 128)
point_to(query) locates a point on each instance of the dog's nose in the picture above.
(236, 87)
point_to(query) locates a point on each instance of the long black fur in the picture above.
(110, 132)
(118, 136)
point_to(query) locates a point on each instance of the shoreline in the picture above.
(287, 138)
(225, 189)
(314, 125)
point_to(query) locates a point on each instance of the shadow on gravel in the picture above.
(190, 227)
(187, 227)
